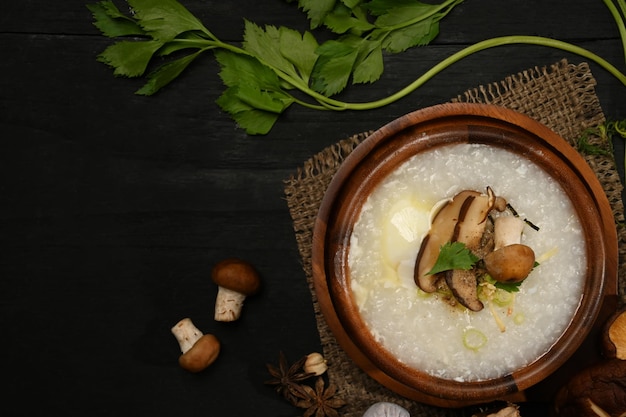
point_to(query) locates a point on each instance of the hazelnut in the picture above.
(315, 364)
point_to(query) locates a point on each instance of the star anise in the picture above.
(286, 378)
(319, 402)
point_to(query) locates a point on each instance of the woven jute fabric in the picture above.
(561, 96)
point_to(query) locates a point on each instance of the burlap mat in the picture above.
(562, 97)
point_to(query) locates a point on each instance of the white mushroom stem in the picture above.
(228, 304)
(186, 333)
(598, 410)
(507, 231)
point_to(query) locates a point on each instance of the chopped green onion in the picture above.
(502, 297)
(474, 339)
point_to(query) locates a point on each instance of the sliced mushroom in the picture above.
(469, 230)
(470, 224)
(441, 231)
(463, 285)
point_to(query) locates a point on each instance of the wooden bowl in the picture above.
(384, 151)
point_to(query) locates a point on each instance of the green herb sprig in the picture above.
(598, 140)
(277, 67)
(453, 255)
(367, 29)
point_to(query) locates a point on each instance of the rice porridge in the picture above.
(425, 332)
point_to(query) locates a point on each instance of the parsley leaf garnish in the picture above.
(454, 255)
(506, 286)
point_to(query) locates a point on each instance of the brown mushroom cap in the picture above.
(510, 263)
(614, 335)
(595, 391)
(236, 275)
(202, 354)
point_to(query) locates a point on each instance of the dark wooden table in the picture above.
(114, 207)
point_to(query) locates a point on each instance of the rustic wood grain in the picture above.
(114, 207)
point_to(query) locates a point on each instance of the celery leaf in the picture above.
(129, 58)
(417, 34)
(454, 255)
(316, 10)
(397, 13)
(343, 20)
(253, 121)
(164, 19)
(332, 70)
(165, 74)
(299, 50)
(254, 97)
(111, 22)
(236, 67)
(269, 44)
(369, 66)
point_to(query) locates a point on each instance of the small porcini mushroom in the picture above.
(236, 279)
(198, 350)
(614, 335)
(510, 261)
(386, 409)
(596, 391)
(600, 389)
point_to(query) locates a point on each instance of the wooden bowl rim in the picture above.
(378, 362)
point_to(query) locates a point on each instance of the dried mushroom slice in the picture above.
(441, 231)
(469, 230)
(463, 285)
